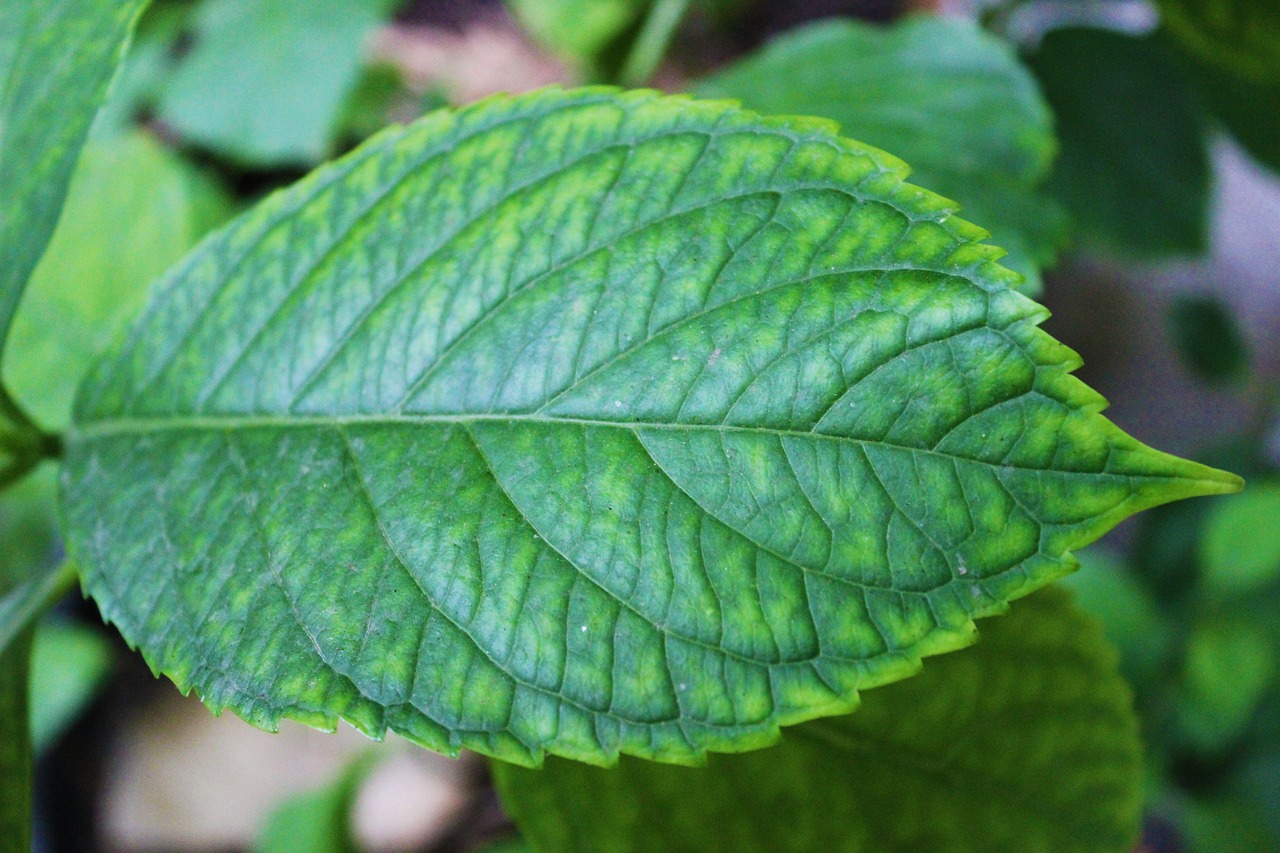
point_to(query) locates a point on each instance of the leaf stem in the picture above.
(652, 41)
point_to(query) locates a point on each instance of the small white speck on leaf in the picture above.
(960, 566)
(617, 404)
(584, 629)
(715, 356)
(975, 591)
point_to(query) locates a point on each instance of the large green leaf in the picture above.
(266, 80)
(15, 748)
(1134, 168)
(1027, 742)
(133, 210)
(56, 59)
(1240, 36)
(586, 422)
(950, 99)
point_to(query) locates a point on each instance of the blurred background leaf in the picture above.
(264, 81)
(1208, 339)
(1240, 551)
(896, 88)
(317, 821)
(1133, 170)
(134, 208)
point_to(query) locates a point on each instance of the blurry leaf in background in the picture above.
(1208, 339)
(317, 821)
(951, 100)
(1240, 548)
(578, 31)
(56, 59)
(69, 662)
(134, 208)
(1133, 170)
(28, 550)
(265, 80)
(1223, 824)
(368, 106)
(1106, 588)
(15, 748)
(1239, 36)
(1229, 665)
(1025, 742)
(1250, 112)
(147, 64)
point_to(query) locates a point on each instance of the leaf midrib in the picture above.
(106, 428)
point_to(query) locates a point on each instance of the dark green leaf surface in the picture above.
(266, 80)
(56, 59)
(1239, 36)
(1249, 110)
(15, 748)
(1024, 743)
(587, 422)
(950, 99)
(1134, 167)
(1208, 338)
(133, 210)
(29, 575)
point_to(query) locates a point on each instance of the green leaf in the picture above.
(1240, 549)
(1239, 36)
(29, 576)
(1107, 589)
(133, 210)
(16, 780)
(578, 31)
(69, 663)
(1134, 168)
(317, 821)
(1025, 742)
(56, 59)
(266, 80)
(586, 422)
(1208, 338)
(1229, 666)
(1249, 110)
(950, 99)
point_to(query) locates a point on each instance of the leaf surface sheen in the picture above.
(585, 423)
(1026, 743)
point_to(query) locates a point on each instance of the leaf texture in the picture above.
(1026, 743)
(1240, 36)
(56, 59)
(586, 422)
(949, 98)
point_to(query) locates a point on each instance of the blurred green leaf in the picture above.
(1208, 339)
(368, 106)
(149, 61)
(1024, 742)
(1134, 167)
(265, 80)
(317, 821)
(134, 208)
(1106, 588)
(15, 748)
(69, 663)
(1250, 111)
(1240, 549)
(56, 58)
(1229, 665)
(1239, 36)
(578, 31)
(951, 100)
(29, 575)
(1223, 824)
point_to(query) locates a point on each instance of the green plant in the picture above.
(601, 423)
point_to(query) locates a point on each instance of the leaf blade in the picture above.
(577, 366)
(80, 42)
(1026, 741)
